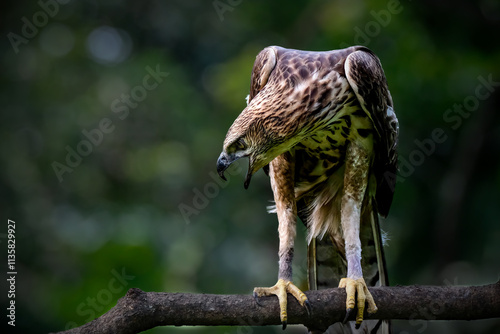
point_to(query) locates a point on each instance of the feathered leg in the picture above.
(357, 164)
(282, 172)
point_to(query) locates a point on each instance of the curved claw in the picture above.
(284, 325)
(307, 304)
(256, 298)
(348, 312)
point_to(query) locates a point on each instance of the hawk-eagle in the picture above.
(322, 125)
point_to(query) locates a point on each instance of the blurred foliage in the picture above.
(122, 210)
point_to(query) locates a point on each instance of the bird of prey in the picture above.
(322, 125)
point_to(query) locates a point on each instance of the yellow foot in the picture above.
(280, 289)
(357, 286)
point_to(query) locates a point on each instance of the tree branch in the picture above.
(138, 311)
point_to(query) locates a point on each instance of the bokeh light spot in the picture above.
(107, 45)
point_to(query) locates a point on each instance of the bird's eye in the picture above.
(240, 145)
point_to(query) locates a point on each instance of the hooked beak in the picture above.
(222, 164)
(225, 160)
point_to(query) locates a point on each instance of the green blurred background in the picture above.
(142, 207)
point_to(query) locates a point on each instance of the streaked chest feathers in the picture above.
(322, 153)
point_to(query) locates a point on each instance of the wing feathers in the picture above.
(366, 77)
(262, 68)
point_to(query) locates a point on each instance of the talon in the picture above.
(256, 298)
(308, 307)
(357, 325)
(357, 295)
(347, 314)
(280, 290)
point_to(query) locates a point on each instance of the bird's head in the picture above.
(258, 133)
(253, 141)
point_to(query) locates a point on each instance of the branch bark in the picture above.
(138, 310)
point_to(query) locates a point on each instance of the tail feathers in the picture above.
(367, 327)
(378, 241)
(327, 266)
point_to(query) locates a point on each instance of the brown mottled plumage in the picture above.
(324, 124)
